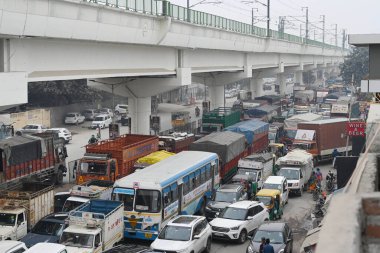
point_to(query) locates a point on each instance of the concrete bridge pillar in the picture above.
(257, 86)
(281, 79)
(299, 77)
(140, 110)
(216, 94)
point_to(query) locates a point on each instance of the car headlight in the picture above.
(235, 228)
(295, 184)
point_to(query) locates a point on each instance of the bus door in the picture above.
(180, 191)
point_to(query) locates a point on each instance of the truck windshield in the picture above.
(48, 228)
(229, 197)
(303, 146)
(71, 205)
(7, 219)
(77, 240)
(147, 201)
(175, 233)
(289, 174)
(291, 134)
(93, 168)
(249, 172)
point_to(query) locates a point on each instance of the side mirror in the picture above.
(99, 244)
(196, 237)
(289, 240)
(250, 218)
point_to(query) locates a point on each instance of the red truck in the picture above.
(38, 157)
(321, 137)
(113, 159)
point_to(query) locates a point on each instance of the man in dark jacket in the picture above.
(262, 245)
(268, 248)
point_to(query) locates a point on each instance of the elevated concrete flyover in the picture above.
(151, 47)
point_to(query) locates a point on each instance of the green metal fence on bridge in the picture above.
(165, 8)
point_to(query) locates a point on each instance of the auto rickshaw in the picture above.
(272, 200)
(277, 148)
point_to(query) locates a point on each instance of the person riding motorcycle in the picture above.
(330, 176)
(92, 140)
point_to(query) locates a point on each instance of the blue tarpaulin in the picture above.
(249, 128)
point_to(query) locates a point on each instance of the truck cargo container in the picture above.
(321, 137)
(113, 159)
(152, 158)
(95, 226)
(39, 157)
(22, 206)
(229, 146)
(218, 119)
(176, 142)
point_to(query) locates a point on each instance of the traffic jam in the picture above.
(231, 181)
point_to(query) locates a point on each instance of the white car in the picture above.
(63, 133)
(8, 246)
(32, 129)
(121, 109)
(106, 111)
(47, 247)
(90, 114)
(278, 183)
(239, 220)
(74, 118)
(185, 234)
(102, 120)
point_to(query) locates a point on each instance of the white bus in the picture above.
(179, 184)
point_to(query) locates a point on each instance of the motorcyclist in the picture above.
(330, 176)
(92, 140)
(335, 153)
(197, 111)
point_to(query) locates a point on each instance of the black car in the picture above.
(223, 197)
(279, 234)
(48, 229)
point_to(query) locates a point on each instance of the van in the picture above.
(8, 246)
(278, 183)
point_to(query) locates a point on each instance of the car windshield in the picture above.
(175, 233)
(7, 219)
(77, 240)
(147, 201)
(99, 119)
(93, 168)
(44, 227)
(88, 111)
(272, 186)
(70, 115)
(30, 127)
(123, 106)
(289, 174)
(229, 197)
(265, 200)
(248, 172)
(234, 213)
(275, 237)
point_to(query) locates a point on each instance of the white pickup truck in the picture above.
(95, 226)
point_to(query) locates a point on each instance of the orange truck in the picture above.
(113, 159)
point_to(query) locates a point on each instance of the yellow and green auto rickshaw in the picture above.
(272, 200)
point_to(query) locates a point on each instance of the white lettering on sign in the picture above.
(356, 129)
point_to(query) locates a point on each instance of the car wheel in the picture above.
(208, 246)
(242, 236)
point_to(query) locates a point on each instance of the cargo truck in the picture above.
(321, 137)
(176, 142)
(218, 119)
(113, 159)
(254, 170)
(79, 194)
(95, 226)
(152, 158)
(296, 167)
(229, 146)
(38, 157)
(22, 207)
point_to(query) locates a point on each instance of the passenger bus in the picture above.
(180, 184)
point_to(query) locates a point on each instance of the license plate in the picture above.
(218, 234)
(148, 235)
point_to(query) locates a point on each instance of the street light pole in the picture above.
(188, 11)
(268, 18)
(307, 22)
(323, 28)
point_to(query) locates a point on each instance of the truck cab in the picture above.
(13, 223)
(295, 177)
(96, 166)
(80, 239)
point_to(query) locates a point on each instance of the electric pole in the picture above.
(253, 19)
(323, 28)
(268, 18)
(336, 35)
(307, 22)
(344, 39)
(188, 11)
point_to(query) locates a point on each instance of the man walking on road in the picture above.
(262, 245)
(268, 248)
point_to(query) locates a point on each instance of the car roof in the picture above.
(230, 188)
(102, 115)
(268, 193)
(244, 204)
(275, 179)
(272, 226)
(45, 246)
(73, 113)
(185, 220)
(7, 245)
(59, 217)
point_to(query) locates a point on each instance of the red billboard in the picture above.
(355, 128)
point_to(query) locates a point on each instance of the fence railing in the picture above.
(165, 8)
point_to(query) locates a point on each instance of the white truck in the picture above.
(296, 167)
(22, 207)
(79, 194)
(254, 169)
(95, 226)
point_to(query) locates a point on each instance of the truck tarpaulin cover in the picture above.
(293, 121)
(296, 155)
(19, 149)
(227, 145)
(263, 110)
(249, 128)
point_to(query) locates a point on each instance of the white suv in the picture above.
(121, 109)
(238, 220)
(63, 134)
(102, 120)
(185, 234)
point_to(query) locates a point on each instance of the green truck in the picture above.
(218, 119)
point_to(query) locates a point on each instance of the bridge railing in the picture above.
(165, 8)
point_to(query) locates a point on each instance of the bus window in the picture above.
(203, 175)
(174, 192)
(147, 201)
(197, 178)
(208, 171)
(167, 196)
(192, 181)
(186, 185)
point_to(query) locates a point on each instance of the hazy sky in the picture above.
(356, 16)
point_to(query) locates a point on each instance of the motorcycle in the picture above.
(317, 192)
(330, 181)
(319, 211)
